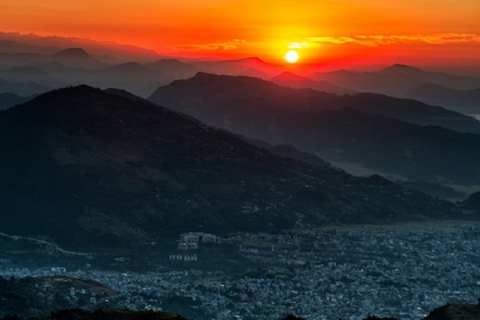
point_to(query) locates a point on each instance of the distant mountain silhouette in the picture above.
(173, 67)
(251, 72)
(47, 45)
(72, 53)
(31, 74)
(397, 80)
(358, 130)
(75, 58)
(466, 101)
(295, 81)
(133, 77)
(86, 167)
(11, 46)
(399, 68)
(247, 66)
(23, 89)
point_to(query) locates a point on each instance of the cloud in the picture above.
(218, 46)
(378, 40)
(298, 45)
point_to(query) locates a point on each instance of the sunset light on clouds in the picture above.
(348, 31)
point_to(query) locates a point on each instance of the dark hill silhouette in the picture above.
(104, 314)
(357, 129)
(86, 167)
(455, 312)
(472, 203)
(27, 297)
(292, 80)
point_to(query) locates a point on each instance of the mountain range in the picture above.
(465, 101)
(395, 137)
(75, 66)
(83, 167)
(292, 80)
(457, 93)
(107, 52)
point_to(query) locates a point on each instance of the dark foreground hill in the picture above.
(455, 312)
(36, 297)
(83, 166)
(392, 136)
(105, 314)
(447, 312)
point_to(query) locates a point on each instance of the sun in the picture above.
(291, 56)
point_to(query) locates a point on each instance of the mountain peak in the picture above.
(253, 59)
(402, 68)
(77, 53)
(76, 57)
(289, 75)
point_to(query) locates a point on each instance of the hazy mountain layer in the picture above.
(458, 93)
(207, 93)
(466, 101)
(27, 74)
(396, 80)
(295, 81)
(357, 129)
(8, 100)
(86, 167)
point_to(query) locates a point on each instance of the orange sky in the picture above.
(329, 31)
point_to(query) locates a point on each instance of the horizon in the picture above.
(303, 68)
(339, 35)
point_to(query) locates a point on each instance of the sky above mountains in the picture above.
(345, 32)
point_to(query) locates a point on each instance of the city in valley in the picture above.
(401, 271)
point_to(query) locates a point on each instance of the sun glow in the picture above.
(291, 56)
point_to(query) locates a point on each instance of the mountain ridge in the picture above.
(108, 170)
(396, 136)
(466, 101)
(292, 80)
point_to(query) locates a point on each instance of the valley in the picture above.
(337, 271)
